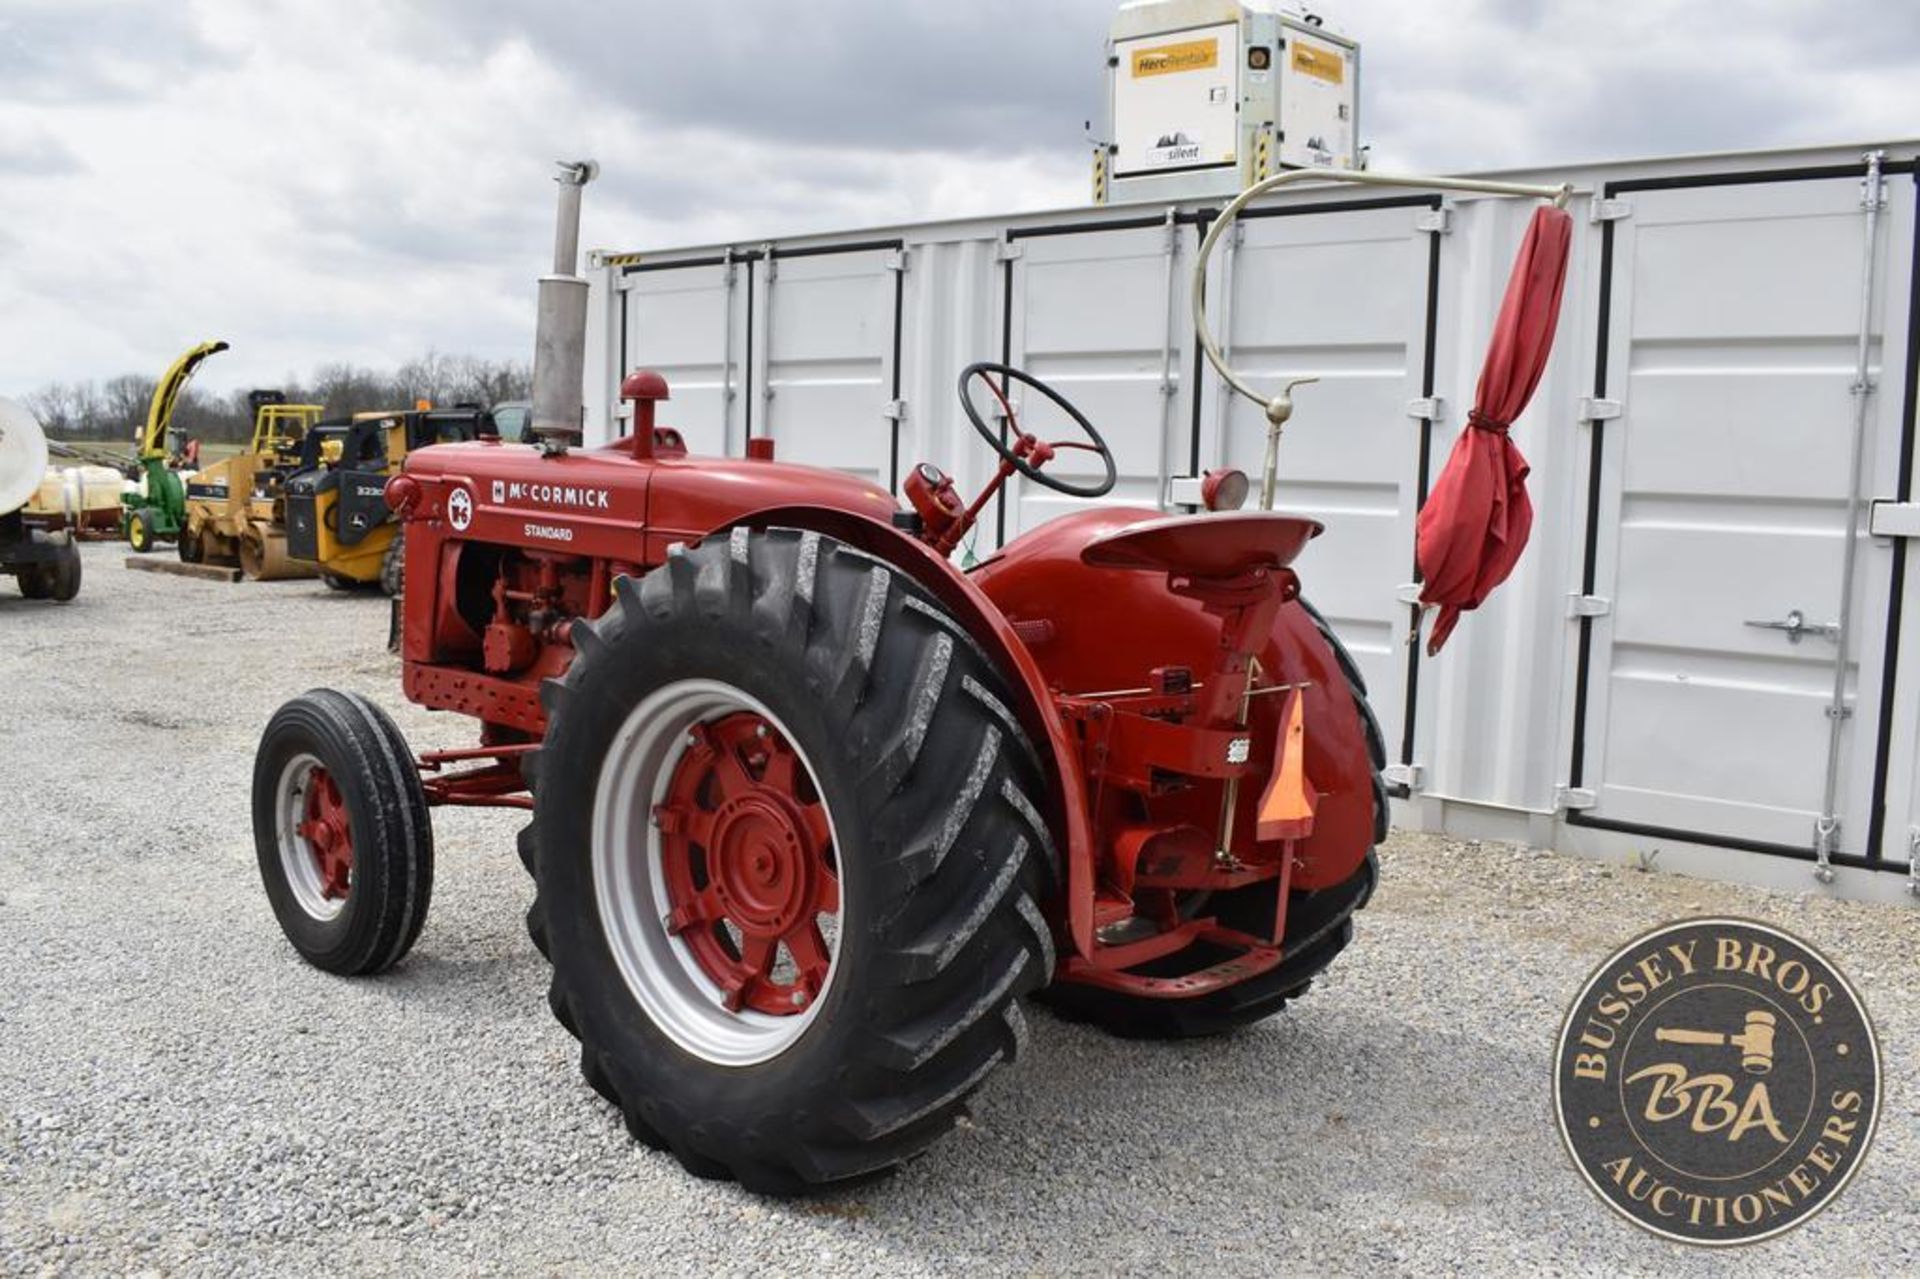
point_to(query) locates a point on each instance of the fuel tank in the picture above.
(1105, 629)
(606, 503)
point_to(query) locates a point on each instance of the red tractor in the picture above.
(813, 810)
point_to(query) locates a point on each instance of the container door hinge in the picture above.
(1873, 187)
(1411, 776)
(895, 411)
(1573, 798)
(1007, 251)
(1888, 518)
(897, 260)
(1608, 211)
(1430, 408)
(1408, 592)
(1438, 221)
(1598, 410)
(1913, 860)
(1579, 605)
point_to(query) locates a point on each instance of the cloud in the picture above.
(896, 76)
(325, 180)
(28, 153)
(91, 51)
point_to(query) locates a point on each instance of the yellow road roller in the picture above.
(236, 508)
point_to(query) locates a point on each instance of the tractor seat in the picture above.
(1208, 546)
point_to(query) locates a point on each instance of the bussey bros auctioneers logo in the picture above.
(1717, 1081)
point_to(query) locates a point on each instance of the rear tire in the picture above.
(1319, 926)
(192, 547)
(927, 787)
(342, 833)
(62, 577)
(33, 582)
(336, 582)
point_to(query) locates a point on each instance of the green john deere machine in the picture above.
(158, 512)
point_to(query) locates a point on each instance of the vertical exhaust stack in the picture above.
(560, 332)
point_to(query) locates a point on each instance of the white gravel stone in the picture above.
(180, 1094)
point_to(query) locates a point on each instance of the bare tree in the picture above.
(116, 409)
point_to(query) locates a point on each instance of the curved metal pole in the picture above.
(1280, 406)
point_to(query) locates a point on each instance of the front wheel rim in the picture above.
(314, 836)
(716, 872)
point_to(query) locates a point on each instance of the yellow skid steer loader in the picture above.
(337, 516)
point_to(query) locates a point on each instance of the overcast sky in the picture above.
(319, 180)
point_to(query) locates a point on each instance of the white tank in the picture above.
(84, 496)
(23, 456)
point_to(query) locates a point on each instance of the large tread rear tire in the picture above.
(941, 852)
(1319, 926)
(366, 757)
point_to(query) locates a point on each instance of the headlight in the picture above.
(1224, 490)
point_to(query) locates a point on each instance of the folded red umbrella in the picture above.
(1476, 520)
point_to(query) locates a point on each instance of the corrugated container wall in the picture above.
(1658, 677)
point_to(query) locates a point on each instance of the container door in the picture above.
(1730, 319)
(1346, 296)
(1093, 315)
(827, 353)
(684, 321)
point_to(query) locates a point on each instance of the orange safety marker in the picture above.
(1287, 804)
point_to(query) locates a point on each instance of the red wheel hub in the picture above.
(328, 834)
(748, 861)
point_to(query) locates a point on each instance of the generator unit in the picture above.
(1206, 97)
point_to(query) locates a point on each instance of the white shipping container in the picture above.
(1658, 676)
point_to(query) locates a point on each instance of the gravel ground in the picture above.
(179, 1093)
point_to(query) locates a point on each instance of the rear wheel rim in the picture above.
(314, 836)
(716, 872)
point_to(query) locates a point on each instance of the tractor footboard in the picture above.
(1224, 979)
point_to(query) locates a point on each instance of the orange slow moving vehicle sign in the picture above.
(1286, 806)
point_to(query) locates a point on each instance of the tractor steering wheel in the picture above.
(1025, 453)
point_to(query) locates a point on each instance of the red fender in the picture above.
(1067, 807)
(1107, 628)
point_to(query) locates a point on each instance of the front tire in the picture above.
(764, 714)
(341, 831)
(140, 530)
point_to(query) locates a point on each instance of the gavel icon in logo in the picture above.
(1755, 1042)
